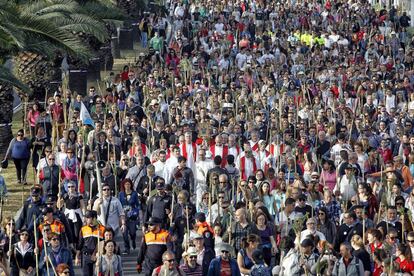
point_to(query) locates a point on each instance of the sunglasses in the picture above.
(392, 238)
(224, 251)
(70, 187)
(55, 239)
(410, 241)
(19, 135)
(170, 261)
(399, 203)
(105, 189)
(221, 197)
(193, 257)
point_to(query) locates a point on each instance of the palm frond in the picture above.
(105, 11)
(7, 77)
(85, 24)
(52, 34)
(41, 8)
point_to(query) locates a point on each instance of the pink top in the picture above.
(32, 117)
(328, 179)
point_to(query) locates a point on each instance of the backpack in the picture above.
(337, 265)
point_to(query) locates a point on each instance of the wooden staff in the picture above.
(47, 259)
(35, 242)
(115, 172)
(363, 225)
(172, 210)
(209, 202)
(188, 228)
(65, 115)
(82, 162)
(98, 251)
(25, 115)
(10, 239)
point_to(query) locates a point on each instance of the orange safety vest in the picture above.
(87, 231)
(56, 226)
(203, 227)
(160, 238)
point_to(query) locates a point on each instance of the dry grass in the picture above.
(17, 193)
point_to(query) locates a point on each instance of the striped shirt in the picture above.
(196, 271)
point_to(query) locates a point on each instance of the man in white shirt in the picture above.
(110, 211)
(202, 165)
(311, 230)
(188, 149)
(160, 164)
(171, 163)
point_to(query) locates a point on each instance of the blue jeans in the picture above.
(144, 39)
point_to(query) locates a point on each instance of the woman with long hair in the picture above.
(244, 257)
(404, 258)
(267, 198)
(279, 193)
(32, 116)
(374, 237)
(367, 199)
(130, 202)
(109, 263)
(72, 138)
(359, 251)
(260, 177)
(328, 175)
(22, 255)
(266, 232)
(326, 226)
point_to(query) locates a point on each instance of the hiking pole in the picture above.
(35, 242)
(188, 229)
(47, 259)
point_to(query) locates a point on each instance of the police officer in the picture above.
(155, 242)
(159, 205)
(88, 241)
(32, 207)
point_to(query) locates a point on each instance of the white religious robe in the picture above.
(201, 169)
(265, 160)
(235, 151)
(170, 165)
(160, 168)
(249, 167)
(190, 154)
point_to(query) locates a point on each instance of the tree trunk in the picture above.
(6, 115)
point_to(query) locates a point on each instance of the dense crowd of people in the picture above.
(262, 138)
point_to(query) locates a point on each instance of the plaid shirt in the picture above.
(334, 210)
(239, 234)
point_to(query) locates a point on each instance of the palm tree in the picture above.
(21, 32)
(38, 70)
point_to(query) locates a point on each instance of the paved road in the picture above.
(129, 262)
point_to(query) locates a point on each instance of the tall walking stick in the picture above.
(35, 242)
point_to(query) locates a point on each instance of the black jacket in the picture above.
(345, 233)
